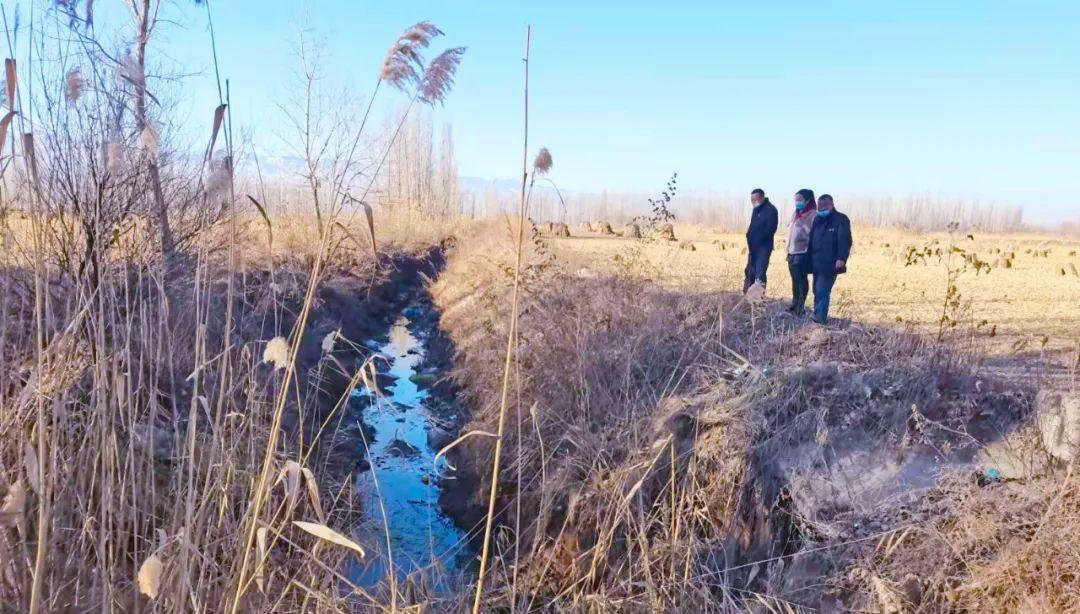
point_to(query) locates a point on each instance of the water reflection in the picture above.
(400, 493)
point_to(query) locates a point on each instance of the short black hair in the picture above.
(827, 197)
(758, 191)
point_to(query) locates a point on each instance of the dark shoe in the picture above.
(817, 321)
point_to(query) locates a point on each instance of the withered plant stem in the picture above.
(510, 337)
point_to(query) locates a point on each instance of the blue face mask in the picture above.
(800, 205)
(823, 212)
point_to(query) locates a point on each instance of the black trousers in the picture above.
(799, 268)
(757, 264)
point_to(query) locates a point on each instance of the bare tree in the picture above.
(145, 12)
(417, 178)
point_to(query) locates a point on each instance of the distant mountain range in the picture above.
(294, 166)
(480, 184)
(280, 166)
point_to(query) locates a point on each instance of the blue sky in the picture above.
(970, 99)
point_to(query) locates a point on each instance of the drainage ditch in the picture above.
(405, 422)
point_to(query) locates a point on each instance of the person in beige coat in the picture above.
(798, 245)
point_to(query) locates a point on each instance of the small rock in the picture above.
(438, 439)
(402, 449)
(423, 379)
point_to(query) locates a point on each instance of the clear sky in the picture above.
(964, 98)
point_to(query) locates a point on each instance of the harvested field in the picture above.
(1021, 305)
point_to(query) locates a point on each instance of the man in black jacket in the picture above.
(830, 246)
(759, 238)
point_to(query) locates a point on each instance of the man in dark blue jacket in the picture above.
(759, 238)
(830, 246)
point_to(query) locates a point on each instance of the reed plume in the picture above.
(542, 164)
(439, 76)
(404, 61)
(277, 353)
(421, 33)
(74, 86)
(400, 67)
(219, 179)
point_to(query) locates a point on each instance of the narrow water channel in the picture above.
(399, 494)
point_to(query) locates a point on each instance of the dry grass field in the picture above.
(1035, 298)
(675, 447)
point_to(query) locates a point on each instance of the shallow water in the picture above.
(400, 493)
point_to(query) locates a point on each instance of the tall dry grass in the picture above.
(150, 438)
(167, 385)
(677, 449)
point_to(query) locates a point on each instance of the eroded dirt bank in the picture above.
(678, 449)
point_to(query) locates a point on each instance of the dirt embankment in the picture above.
(684, 449)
